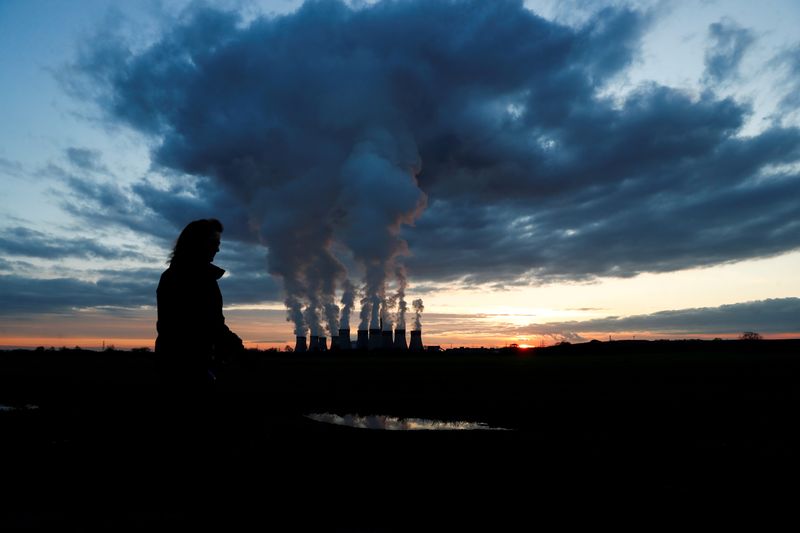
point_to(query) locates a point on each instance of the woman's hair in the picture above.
(192, 244)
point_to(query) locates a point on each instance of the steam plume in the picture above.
(418, 309)
(294, 314)
(348, 300)
(402, 307)
(366, 309)
(375, 304)
(387, 305)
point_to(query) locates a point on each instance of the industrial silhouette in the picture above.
(375, 339)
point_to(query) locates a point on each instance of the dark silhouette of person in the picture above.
(192, 334)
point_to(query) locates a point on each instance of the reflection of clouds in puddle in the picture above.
(397, 424)
(26, 407)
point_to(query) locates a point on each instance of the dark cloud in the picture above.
(183, 202)
(296, 125)
(153, 210)
(653, 223)
(108, 204)
(119, 289)
(103, 202)
(86, 159)
(162, 214)
(24, 295)
(25, 242)
(789, 61)
(247, 280)
(11, 168)
(252, 287)
(728, 44)
(779, 315)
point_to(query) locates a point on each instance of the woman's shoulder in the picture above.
(175, 276)
(190, 274)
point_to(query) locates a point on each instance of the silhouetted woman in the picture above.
(191, 327)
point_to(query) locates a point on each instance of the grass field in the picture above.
(106, 446)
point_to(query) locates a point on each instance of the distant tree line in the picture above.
(751, 336)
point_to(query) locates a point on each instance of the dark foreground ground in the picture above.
(597, 432)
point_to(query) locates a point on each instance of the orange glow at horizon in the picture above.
(72, 342)
(98, 343)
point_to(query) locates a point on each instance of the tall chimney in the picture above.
(386, 339)
(300, 344)
(313, 344)
(375, 339)
(363, 340)
(323, 344)
(400, 339)
(344, 339)
(416, 341)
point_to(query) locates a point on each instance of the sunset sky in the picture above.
(538, 171)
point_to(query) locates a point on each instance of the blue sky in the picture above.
(529, 171)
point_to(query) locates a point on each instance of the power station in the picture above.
(371, 340)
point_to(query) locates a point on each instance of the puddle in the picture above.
(392, 423)
(26, 407)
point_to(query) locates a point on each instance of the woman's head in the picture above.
(198, 242)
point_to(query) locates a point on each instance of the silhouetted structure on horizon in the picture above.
(387, 342)
(363, 340)
(400, 339)
(344, 339)
(375, 339)
(300, 344)
(416, 341)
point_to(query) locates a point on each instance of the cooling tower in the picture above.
(313, 343)
(363, 340)
(322, 344)
(416, 341)
(335, 343)
(344, 339)
(300, 344)
(375, 339)
(386, 339)
(400, 339)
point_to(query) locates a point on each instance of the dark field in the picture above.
(608, 423)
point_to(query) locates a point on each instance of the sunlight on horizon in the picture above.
(392, 423)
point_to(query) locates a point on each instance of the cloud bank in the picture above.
(776, 315)
(25, 242)
(729, 43)
(308, 128)
(446, 141)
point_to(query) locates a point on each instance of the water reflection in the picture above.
(398, 424)
(26, 407)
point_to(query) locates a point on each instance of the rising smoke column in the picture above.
(348, 300)
(381, 177)
(402, 307)
(315, 122)
(375, 306)
(364, 314)
(324, 274)
(306, 133)
(387, 310)
(309, 272)
(418, 309)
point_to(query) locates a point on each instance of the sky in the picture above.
(530, 172)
